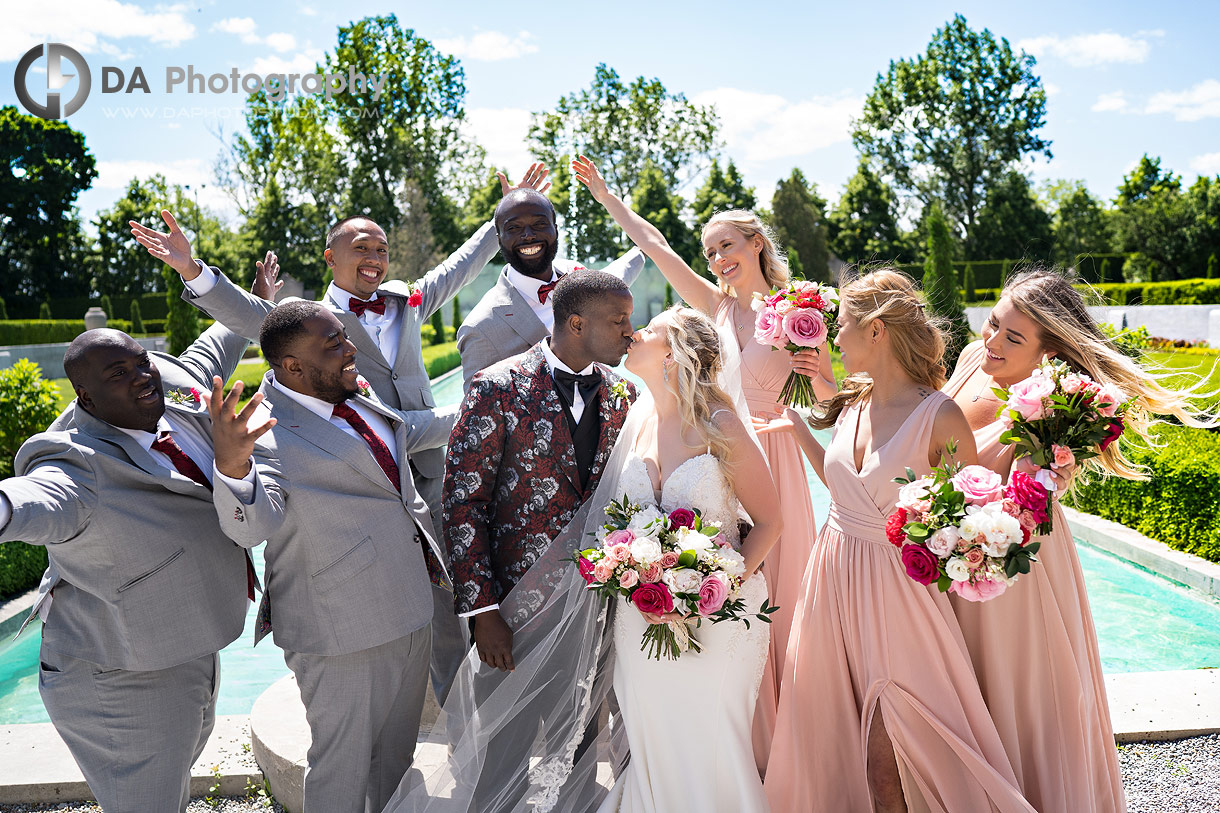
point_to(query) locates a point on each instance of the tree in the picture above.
(968, 284)
(798, 217)
(1147, 179)
(1011, 223)
(438, 327)
(182, 322)
(1103, 274)
(653, 201)
(795, 268)
(722, 190)
(412, 248)
(41, 241)
(481, 202)
(1080, 225)
(107, 307)
(864, 223)
(623, 127)
(294, 229)
(457, 314)
(947, 124)
(137, 320)
(940, 286)
(44, 310)
(3, 309)
(1155, 222)
(1211, 274)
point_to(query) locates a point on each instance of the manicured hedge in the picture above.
(1180, 505)
(152, 306)
(1179, 292)
(21, 567)
(53, 331)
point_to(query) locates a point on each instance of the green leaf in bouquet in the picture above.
(1000, 393)
(943, 583)
(916, 531)
(687, 558)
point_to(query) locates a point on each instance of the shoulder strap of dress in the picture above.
(717, 412)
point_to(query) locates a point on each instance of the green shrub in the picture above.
(137, 322)
(44, 310)
(21, 567)
(1211, 269)
(3, 309)
(49, 331)
(968, 284)
(107, 306)
(1103, 272)
(438, 328)
(457, 313)
(1133, 342)
(1179, 505)
(441, 358)
(28, 404)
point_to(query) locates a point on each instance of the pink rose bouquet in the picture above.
(1058, 418)
(961, 529)
(793, 319)
(666, 564)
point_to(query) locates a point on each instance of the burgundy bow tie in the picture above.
(546, 289)
(359, 306)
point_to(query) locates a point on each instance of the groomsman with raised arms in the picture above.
(383, 319)
(144, 587)
(350, 548)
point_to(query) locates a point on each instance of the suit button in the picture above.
(395, 376)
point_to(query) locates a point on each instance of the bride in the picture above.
(530, 739)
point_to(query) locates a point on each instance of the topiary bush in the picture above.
(21, 567)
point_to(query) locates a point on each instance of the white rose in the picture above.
(957, 569)
(683, 580)
(690, 539)
(913, 492)
(944, 541)
(645, 549)
(642, 518)
(971, 525)
(730, 561)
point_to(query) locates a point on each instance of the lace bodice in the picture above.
(697, 483)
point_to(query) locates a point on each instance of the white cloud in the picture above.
(113, 177)
(488, 46)
(1051, 88)
(304, 62)
(502, 133)
(760, 127)
(281, 42)
(88, 25)
(1110, 102)
(243, 27)
(1199, 102)
(1208, 164)
(1086, 50)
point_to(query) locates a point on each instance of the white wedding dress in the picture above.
(688, 721)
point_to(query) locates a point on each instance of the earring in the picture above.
(665, 369)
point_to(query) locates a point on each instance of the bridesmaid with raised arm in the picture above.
(880, 709)
(745, 259)
(1034, 647)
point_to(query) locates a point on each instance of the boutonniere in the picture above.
(578, 268)
(183, 398)
(620, 392)
(415, 296)
(362, 384)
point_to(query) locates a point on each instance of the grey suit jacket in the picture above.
(345, 570)
(503, 324)
(405, 385)
(144, 577)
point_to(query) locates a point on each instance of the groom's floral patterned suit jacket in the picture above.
(511, 482)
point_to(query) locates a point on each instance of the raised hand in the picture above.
(232, 436)
(265, 285)
(534, 177)
(586, 172)
(173, 249)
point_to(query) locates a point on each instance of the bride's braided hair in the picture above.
(695, 347)
(916, 338)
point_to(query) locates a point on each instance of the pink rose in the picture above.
(1028, 523)
(974, 557)
(1026, 396)
(722, 540)
(628, 579)
(682, 518)
(603, 570)
(653, 598)
(769, 328)
(620, 553)
(712, 594)
(784, 307)
(1063, 456)
(921, 565)
(979, 485)
(668, 560)
(805, 327)
(1010, 507)
(586, 569)
(623, 537)
(1071, 383)
(651, 574)
(775, 298)
(1116, 431)
(1026, 492)
(1108, 400)
(981, 590)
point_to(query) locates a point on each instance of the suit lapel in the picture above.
(611, 414)
(543, 401)
(516, 313)
(139, 457)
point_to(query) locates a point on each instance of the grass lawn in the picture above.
(1192, 367)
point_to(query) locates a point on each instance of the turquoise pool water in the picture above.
(1144, 623)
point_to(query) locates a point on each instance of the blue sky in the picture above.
(1122, 78)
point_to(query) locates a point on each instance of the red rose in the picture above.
(586, 570)
(415, 299)
(682, 518)
(1116, 429)
(653, 598)
(893, 527)
(1028, 493)
(195, 398)
(1025, 535)
(921, 564)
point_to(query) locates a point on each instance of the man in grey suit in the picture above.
(383, 319)
(144, 588)
(350, 547)
(516, 313)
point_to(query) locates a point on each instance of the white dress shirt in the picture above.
(528, 287)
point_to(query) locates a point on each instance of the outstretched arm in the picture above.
(698, 292)
(808, 443)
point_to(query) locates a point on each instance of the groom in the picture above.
(529, 447)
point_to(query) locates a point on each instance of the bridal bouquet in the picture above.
(793, 319)
(963, 529)
(1057, 418)
(663, 564)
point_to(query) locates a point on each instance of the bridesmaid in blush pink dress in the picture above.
(746, 261)
(879, 708)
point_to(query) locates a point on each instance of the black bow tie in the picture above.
(568, 383)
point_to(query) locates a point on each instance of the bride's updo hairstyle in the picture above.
(915, 337)
(1067, 331)
(695, 347)
(770, 260)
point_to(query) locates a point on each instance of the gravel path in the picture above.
(1160, 777)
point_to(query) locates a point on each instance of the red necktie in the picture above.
(381, 453)
(359, 306)
(186, 467)
(546, 289)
